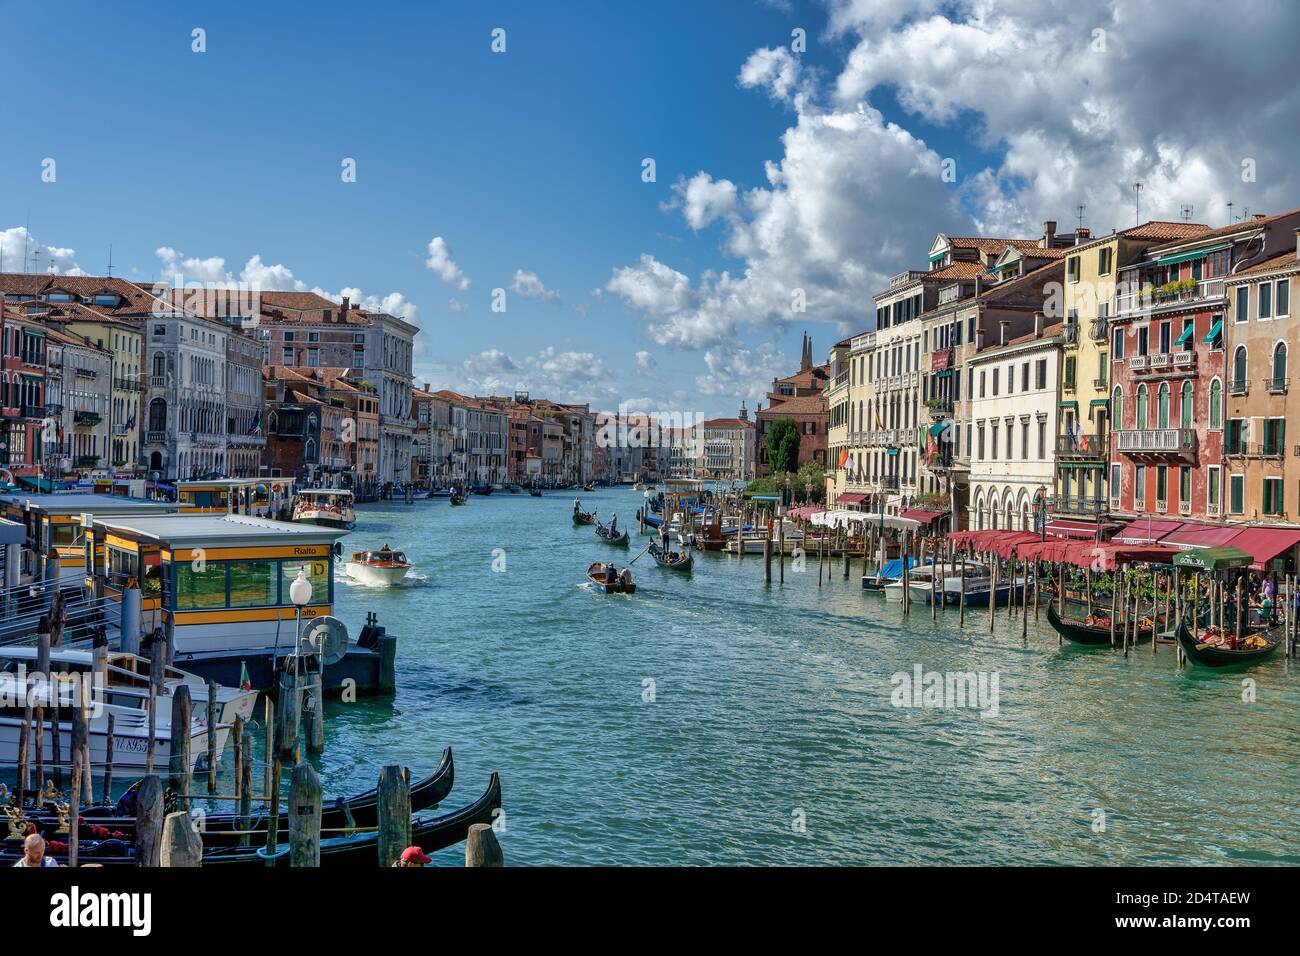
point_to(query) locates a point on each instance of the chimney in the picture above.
(343, 310)
(979, 339)
(1082, 235)
(1002, 332)
(1038, 325)
(426, 386)
(1049, 233)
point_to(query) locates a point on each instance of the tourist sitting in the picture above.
(34, 852)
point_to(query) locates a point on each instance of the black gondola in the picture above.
(459, 498)
(588, 518)
(603, 533)
(535, 492)
(1082, 633)
(430, 833)
(674, 561)
(1209, 655)
(361, 810)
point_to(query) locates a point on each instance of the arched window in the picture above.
(1216, 404)
(1117, 408)
(1142, 420)
(1185, 405)
(1162, 406)
(1279, 366)
(1239, 367)
(157, 415)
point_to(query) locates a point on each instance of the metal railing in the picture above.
(1156, 300)
(1090, 445)
(1075, 505)
(1239, 386)
(1275, 386)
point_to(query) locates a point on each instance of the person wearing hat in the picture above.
(34, 852)
(413, 856)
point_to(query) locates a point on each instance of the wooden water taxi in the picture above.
(327, 507)
(609, 580)
(381, 569)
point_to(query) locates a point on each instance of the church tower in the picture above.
(805, 360)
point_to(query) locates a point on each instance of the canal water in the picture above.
(712, 719)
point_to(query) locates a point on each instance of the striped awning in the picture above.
(1177, 257)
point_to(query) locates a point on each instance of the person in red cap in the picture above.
(413, 856)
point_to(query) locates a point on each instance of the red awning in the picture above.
(1107, 557)
(1146, 531)
(1072, 529)
(921, 515)
(1201, 536)
(1265, 544)
(850, 498)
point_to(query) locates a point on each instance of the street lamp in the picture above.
(300, 595)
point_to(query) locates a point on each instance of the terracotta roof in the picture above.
(727, 423)
(134, 300)
(1162, 230)
(1048, 332)
(797, 405)
(1231, 229)
(987, 245)
(1283, 261)
(960, 270)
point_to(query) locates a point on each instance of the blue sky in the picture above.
(531, 160)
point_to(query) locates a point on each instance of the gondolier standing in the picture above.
(663, 539)
(577, 507)
(613, 526)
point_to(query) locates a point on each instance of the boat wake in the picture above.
(413, 579)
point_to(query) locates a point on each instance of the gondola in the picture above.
(603, 533)
(678, 561)
(459, 498)
(482, 489)
(1208, 655)
(1081, 633)
(596, 575)
(222, 828)
(430, 833)
(535, 492)
(588, 487)
(588, 518)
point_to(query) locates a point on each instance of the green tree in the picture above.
(783, 445)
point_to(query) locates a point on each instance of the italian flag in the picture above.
(244, 682)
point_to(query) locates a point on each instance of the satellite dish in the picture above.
(326, 637)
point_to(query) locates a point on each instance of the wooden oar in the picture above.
(643, 551)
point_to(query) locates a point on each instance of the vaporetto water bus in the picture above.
(328, 507)
(260, 497)
(220, 585)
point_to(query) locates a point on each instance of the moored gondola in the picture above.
(1259, 644)
(430, 833)
(674, 561)
(361, 810)
(609, 580)
(603, 533)
(1084, 632)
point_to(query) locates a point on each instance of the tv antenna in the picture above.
(1137, 202)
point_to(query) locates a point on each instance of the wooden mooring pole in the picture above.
(304, 817)
(394, 814)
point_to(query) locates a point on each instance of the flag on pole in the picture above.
(844, 456)
(244, 682)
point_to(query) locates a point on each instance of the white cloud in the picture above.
(530, 286)
(440, 262)
(456, 306)
(564, 376)
(16, 242)
(703, 199)
(742, 372)
(775, 70)
(645, 362)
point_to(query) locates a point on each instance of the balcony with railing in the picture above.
(1275, 385)
(155, 438)
(1091, 446)
(1071, 333)
(86, 418)
(1173, 295)
(1158, 441)
(939, 407)
(1238, 386)
(1098, 330)
(1075, 506)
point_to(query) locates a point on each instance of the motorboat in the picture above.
(380, 569)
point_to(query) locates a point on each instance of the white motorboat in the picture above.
(124, 694)
(380, 569)
(920, 582)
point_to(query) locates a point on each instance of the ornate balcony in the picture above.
(1076, 507)
(1156, 441)
(1086, 447)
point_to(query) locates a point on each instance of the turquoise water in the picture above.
(772, 705)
